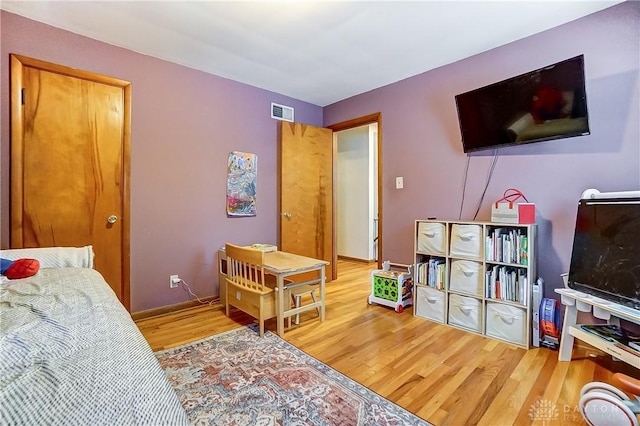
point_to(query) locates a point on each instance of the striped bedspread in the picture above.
(70, 354)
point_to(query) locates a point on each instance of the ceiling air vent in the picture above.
(281, 112)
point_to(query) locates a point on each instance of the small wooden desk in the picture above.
(281, 265)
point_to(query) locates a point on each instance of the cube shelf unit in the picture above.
(476, 276)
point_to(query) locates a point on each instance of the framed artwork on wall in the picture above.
(242, 174)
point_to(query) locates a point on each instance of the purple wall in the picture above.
(184, 124)
(421, 137)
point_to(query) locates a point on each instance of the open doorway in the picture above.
(370, 234)
(357, 193)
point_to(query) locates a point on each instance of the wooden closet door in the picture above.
(70, 167)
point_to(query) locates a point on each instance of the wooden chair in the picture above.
(296, 296)
(248, 287)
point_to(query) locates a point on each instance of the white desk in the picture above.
(281, 265)
(575, 301)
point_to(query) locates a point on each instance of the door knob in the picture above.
(287, 215)
(112, 219)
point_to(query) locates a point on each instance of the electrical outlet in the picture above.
(399, 182)
(174, 280)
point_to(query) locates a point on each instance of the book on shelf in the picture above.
(507, 245)
(431, 273)
(524, 250)
(507, 283)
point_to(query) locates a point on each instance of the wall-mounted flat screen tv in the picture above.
(605, 260)
(545, 104)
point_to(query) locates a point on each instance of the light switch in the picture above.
(399, 182)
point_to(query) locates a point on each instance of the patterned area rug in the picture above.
(238, 378)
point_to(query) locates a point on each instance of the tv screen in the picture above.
(548, 103)
(605, 260)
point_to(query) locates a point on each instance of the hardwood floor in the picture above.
(444, 375)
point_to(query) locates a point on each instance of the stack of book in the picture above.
(431, 273)
(507, 245)
(506, 283)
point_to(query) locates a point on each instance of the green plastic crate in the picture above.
(385, 288)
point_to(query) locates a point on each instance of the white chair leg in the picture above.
(298, 299)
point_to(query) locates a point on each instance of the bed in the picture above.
(70, 352)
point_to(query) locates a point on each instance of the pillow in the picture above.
(21, 268)
(54, 257)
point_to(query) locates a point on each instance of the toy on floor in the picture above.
(392, 288)
(603, 404)
(550, 323)
(20, 268)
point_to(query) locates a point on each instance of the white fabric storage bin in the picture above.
(464, 312)
(430, 304)
(466, 240)
(467, 276)
(507, 323)
(431, 238)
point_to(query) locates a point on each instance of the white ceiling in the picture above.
(316, 51)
